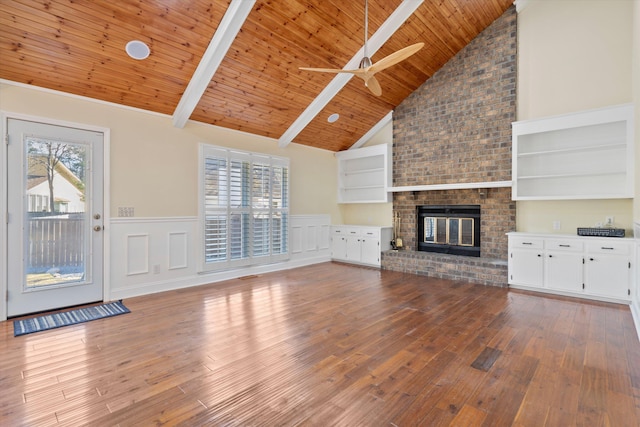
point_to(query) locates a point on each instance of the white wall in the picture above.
(154, 165)
(635, 303)
(573, 56)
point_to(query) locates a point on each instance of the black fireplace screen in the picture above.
(452, 229)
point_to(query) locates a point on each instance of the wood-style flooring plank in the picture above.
(331, 344)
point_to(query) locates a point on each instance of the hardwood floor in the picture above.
(331, 344)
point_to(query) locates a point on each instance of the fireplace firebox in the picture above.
(449, 229)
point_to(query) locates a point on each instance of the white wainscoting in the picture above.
(150, 255)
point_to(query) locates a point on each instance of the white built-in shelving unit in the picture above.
(364, 174)
(584, 155)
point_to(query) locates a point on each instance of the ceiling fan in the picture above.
(367, 70)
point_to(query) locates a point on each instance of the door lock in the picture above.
(96, 216)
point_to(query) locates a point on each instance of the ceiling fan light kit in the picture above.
(367, 70)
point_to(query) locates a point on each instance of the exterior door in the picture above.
(54, 234)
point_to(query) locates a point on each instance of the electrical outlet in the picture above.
(556, 225)
(608, 221)
(156, 269)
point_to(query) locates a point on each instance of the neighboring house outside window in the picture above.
(244, 208)
(68, 198)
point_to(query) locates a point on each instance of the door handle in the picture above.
(97, 228)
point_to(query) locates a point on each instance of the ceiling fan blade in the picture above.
(395, 57)
(373, 85)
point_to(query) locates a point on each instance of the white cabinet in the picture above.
(525, 261)
(359, 244)
(338, 244)
(589, 267)
(608, 269)
(585, 155)
(364, 174)
(564, 261)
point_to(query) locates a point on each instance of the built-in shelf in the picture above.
(356, 172)
(456, 186)
(364, 174)
(621, 145)
(364, 187)
(583, 155)
(571, 175)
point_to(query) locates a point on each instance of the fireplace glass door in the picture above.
(449, 231)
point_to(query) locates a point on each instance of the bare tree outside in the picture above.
(49, 155)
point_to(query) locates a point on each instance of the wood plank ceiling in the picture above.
(78, 47)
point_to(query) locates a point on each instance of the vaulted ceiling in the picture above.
(242, 57)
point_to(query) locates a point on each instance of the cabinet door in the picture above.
(563, 271)
(608, 275)
(353, 248)
(370, 250)
(526, 267)
(339, 247)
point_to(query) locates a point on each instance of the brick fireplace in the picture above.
(456, 129)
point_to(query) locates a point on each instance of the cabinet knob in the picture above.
(550, 256)
(539, 255)
(591, 259)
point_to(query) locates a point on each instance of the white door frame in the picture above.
(4, 117)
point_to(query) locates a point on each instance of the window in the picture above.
(245, 208)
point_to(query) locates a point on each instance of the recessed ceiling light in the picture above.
(137, 50)
(333, 118)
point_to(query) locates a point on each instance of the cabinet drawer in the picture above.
(526, 242)
(352, 231)
(618, 248)
(371, 234)
(338, 231)
(564, 245)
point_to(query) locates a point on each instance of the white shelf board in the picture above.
(456, 186)
(571, 175)
(575, 149)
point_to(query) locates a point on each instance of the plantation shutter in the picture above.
(245, 208)
(215, 209)
(279, 210)
(239, 209)
(260, 202)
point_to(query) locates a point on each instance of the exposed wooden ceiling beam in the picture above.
(227, 31)
(386, 30)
